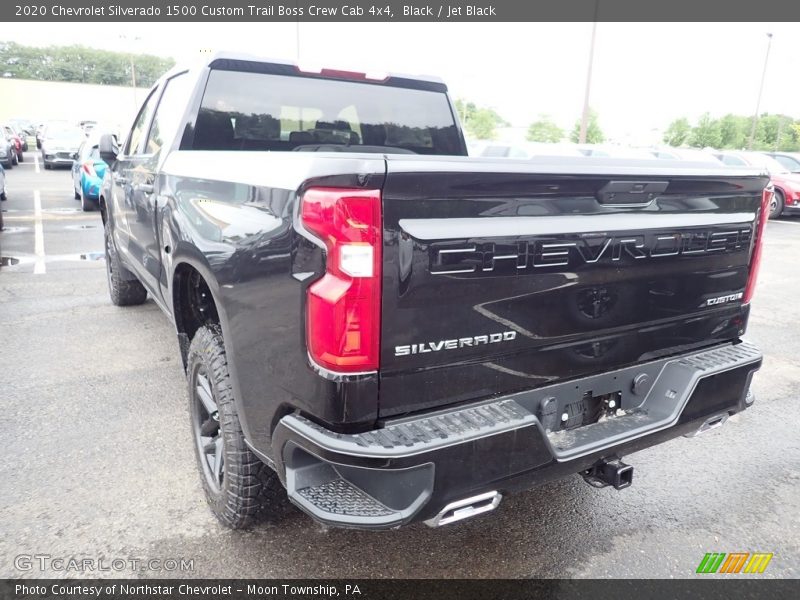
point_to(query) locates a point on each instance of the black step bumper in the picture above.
(414, 469)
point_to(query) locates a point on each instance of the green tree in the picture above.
(80, 64)
(678, 132)
(544, 130)
(734, 130)
(481, 123)
(775, 132)
(594, 134)
(707, 133)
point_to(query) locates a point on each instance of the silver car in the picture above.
(8, 153)
(2, 193)
(59, 145)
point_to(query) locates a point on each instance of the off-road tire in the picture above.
(247, 491)
(123, 289)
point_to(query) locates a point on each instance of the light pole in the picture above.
(585, 114)
(297, 34)
(760, 90)
(133, 68)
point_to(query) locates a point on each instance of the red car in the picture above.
(786, 199)
(14, 137)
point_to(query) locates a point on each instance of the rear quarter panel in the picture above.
(232, 216)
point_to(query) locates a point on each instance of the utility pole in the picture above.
(585, 114)
(125, 38)
(760, 90)
(133, 80)
(297, 41)
(297, 34)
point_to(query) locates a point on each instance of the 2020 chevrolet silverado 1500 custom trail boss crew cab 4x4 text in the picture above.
(394, 332)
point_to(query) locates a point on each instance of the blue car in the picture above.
(88, 170)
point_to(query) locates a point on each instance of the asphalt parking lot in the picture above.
(98, 458)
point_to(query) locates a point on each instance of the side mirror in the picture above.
(108, 149)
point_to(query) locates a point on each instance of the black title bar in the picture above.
(396, 11)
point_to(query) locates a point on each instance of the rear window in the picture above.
(257, 111)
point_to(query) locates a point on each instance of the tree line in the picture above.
(776, 132)
(481, 123)
(772, 132)
(80, 64)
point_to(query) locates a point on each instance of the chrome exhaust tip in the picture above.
(466, 508)
(711, 423)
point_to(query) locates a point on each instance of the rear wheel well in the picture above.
(103, 211)
(193, 305)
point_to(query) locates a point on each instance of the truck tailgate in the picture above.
(500, 276)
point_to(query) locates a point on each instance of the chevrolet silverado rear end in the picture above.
(394, 332)
(536, 320)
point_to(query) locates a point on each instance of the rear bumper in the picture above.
(791, 209)
(411, 469)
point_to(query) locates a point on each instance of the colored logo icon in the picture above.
(735, 562)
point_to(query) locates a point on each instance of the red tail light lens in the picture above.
(89, 169)
(343, 307)
(755, 261)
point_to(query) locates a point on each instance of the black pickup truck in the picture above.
(393, 332)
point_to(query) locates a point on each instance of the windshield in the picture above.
(257, 111)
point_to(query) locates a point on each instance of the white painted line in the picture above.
(36, 162)
(784, 222)
(38, 230)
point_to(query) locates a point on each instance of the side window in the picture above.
(788, 163)
(138, 131)
(168, 114)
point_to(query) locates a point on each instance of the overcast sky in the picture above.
(645, 74)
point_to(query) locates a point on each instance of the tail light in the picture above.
(88, 168)
(755, 262)
(343, 306)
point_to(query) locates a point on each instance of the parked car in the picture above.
(8, 150)
(686, 154)
(39, 133)
(41, 130)
(88, 170)
(59, 145)
(612, 151)
(786, 199)
(24, 126)
(24, 129)
(2, 193)
(525, 150)
(499, 150)
(392, 332)
(16, 138)
(790, 160)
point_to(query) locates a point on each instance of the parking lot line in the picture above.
(38, 268)
(785, 222)
(36, 162)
